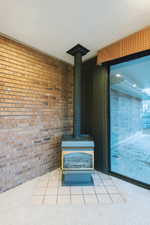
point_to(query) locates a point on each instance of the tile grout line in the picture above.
(120, 193)
(44, 195)
(117, 193)
(70, 194)
(84, 202)
(107, 191)
(98, 202)
(58, 187)
(96, 196)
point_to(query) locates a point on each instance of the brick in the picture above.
(36, 109)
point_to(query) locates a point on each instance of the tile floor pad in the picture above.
(49, 190)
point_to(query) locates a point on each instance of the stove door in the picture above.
(78, 160)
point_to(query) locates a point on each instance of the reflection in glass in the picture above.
(130, 119)
(78, 160)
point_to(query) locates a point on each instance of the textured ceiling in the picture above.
(55, 26)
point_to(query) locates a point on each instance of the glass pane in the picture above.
(130, 119)
(78, 160)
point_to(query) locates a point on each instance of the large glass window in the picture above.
(130, 118)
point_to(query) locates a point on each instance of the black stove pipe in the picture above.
(77, 51)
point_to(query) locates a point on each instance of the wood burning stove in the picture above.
(77, 150)
(77, 155)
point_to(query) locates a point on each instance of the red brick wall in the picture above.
(35, 111)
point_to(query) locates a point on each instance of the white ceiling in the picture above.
(54, 26)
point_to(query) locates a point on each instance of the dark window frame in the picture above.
(108, 159)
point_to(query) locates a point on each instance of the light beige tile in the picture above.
(112, 190)
(56, 175)
(64, 191)
(37, 200)
(108, 182)
(76, 190)
(88, 190)
(51, 191)
(90, 199)
(53, 178)
(60, 183)
(104, 176)
(53, 184)
(77, 199)
(95, 177)
(104, 199)
(117, 198)
(42, 183)
(43, 178)
(50, 200)
(39, 191)
(60, 177)
(100, 190)
(63, 200)
(98, 182)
